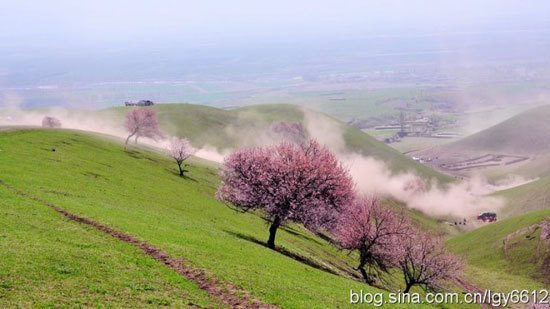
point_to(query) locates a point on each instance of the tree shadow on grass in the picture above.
(300, 235)
(294, 232)
(140, 155)
(177, 174)
(326, 238)
(286, 252)
(94, 175)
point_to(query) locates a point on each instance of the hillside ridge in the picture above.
(245, 126)
(526, 133)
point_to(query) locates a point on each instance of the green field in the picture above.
(140, 193)
(380, 133)
(414, 143)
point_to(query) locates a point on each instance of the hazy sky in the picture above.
(70, 43)
(51, 41)
(92, 23)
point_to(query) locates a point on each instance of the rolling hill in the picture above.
(518, 146)
(137, 196)
(527, 133)
(227, 129)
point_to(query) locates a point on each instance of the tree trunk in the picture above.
(364, 274)
(407, 288)
(128, 138)
(272, 231)
(135, 141)
(361, 267)
(181, 169)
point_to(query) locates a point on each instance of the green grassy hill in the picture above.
(491, 266)
(526, 133)
(525, 198)
(226, 129)
(139, 192)
(48, 261)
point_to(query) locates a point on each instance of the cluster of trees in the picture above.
(142, 122)
(385, 239)
(306, 184)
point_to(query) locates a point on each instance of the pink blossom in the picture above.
(374, 231)
(142, 122)
(300, 183)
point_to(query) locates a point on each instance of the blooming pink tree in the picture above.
(374, 231)
(300, 183)
(51, 122)
(425, 262)
(181, 150)
(142, 122)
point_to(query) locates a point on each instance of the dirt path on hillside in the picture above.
(226, 293)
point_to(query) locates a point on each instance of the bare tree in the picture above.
(425, 262)
(181, 150)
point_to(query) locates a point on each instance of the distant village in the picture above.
(415, 123)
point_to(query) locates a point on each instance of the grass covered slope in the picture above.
(518, 267)
(140, 193)
(525, 198)
(526, 133)
(48, 261)
(227, 129)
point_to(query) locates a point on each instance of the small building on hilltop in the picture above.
(139, 103)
